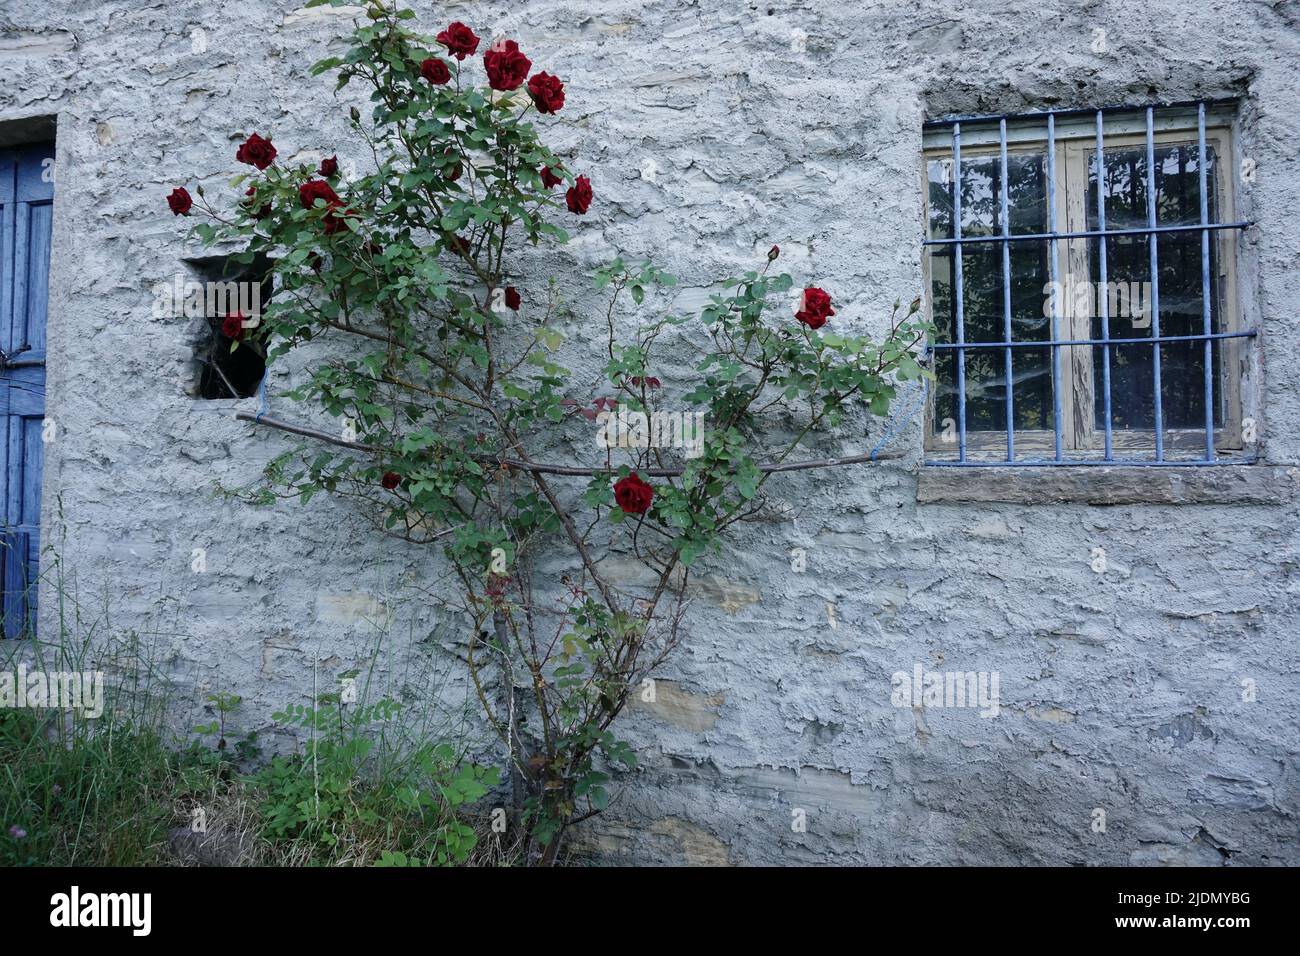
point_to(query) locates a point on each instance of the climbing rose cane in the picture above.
(453, 395)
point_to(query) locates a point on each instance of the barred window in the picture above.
(1085, 311)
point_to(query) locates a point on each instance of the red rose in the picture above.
(459, 40)
(512, 298)
(578, 197)
(180, 201)
(506, 67)
(549, 179)
(315, 189)
(633, 495)
(262, 212)
(816, 308)
(232, 326)
(328, 167)
(390, 480)
(256, 152)
(435, 71)
(773, 253)
(547, 92)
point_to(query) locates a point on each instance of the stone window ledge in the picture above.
(1119, 485)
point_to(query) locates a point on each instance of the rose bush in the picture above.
(455, 403)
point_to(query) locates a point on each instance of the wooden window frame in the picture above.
(1075, 145)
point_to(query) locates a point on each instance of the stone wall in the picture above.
(711, 131)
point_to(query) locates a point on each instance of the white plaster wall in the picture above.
(1120, 691)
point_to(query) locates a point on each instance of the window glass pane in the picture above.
(1128, 288)
(982, 290)
(986, 392)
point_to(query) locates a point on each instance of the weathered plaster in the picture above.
(1120, 690)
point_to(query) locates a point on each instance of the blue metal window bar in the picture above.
(960, 346)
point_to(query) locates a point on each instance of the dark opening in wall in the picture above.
(230, 350)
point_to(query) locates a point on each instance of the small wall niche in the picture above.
(225, 299)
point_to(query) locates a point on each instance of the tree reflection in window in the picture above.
(1178, 202)
(982, 291)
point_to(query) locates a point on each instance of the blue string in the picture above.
(901, 418)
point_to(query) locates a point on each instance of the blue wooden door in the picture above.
(26, 213)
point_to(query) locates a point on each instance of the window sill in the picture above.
(1120, 485)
